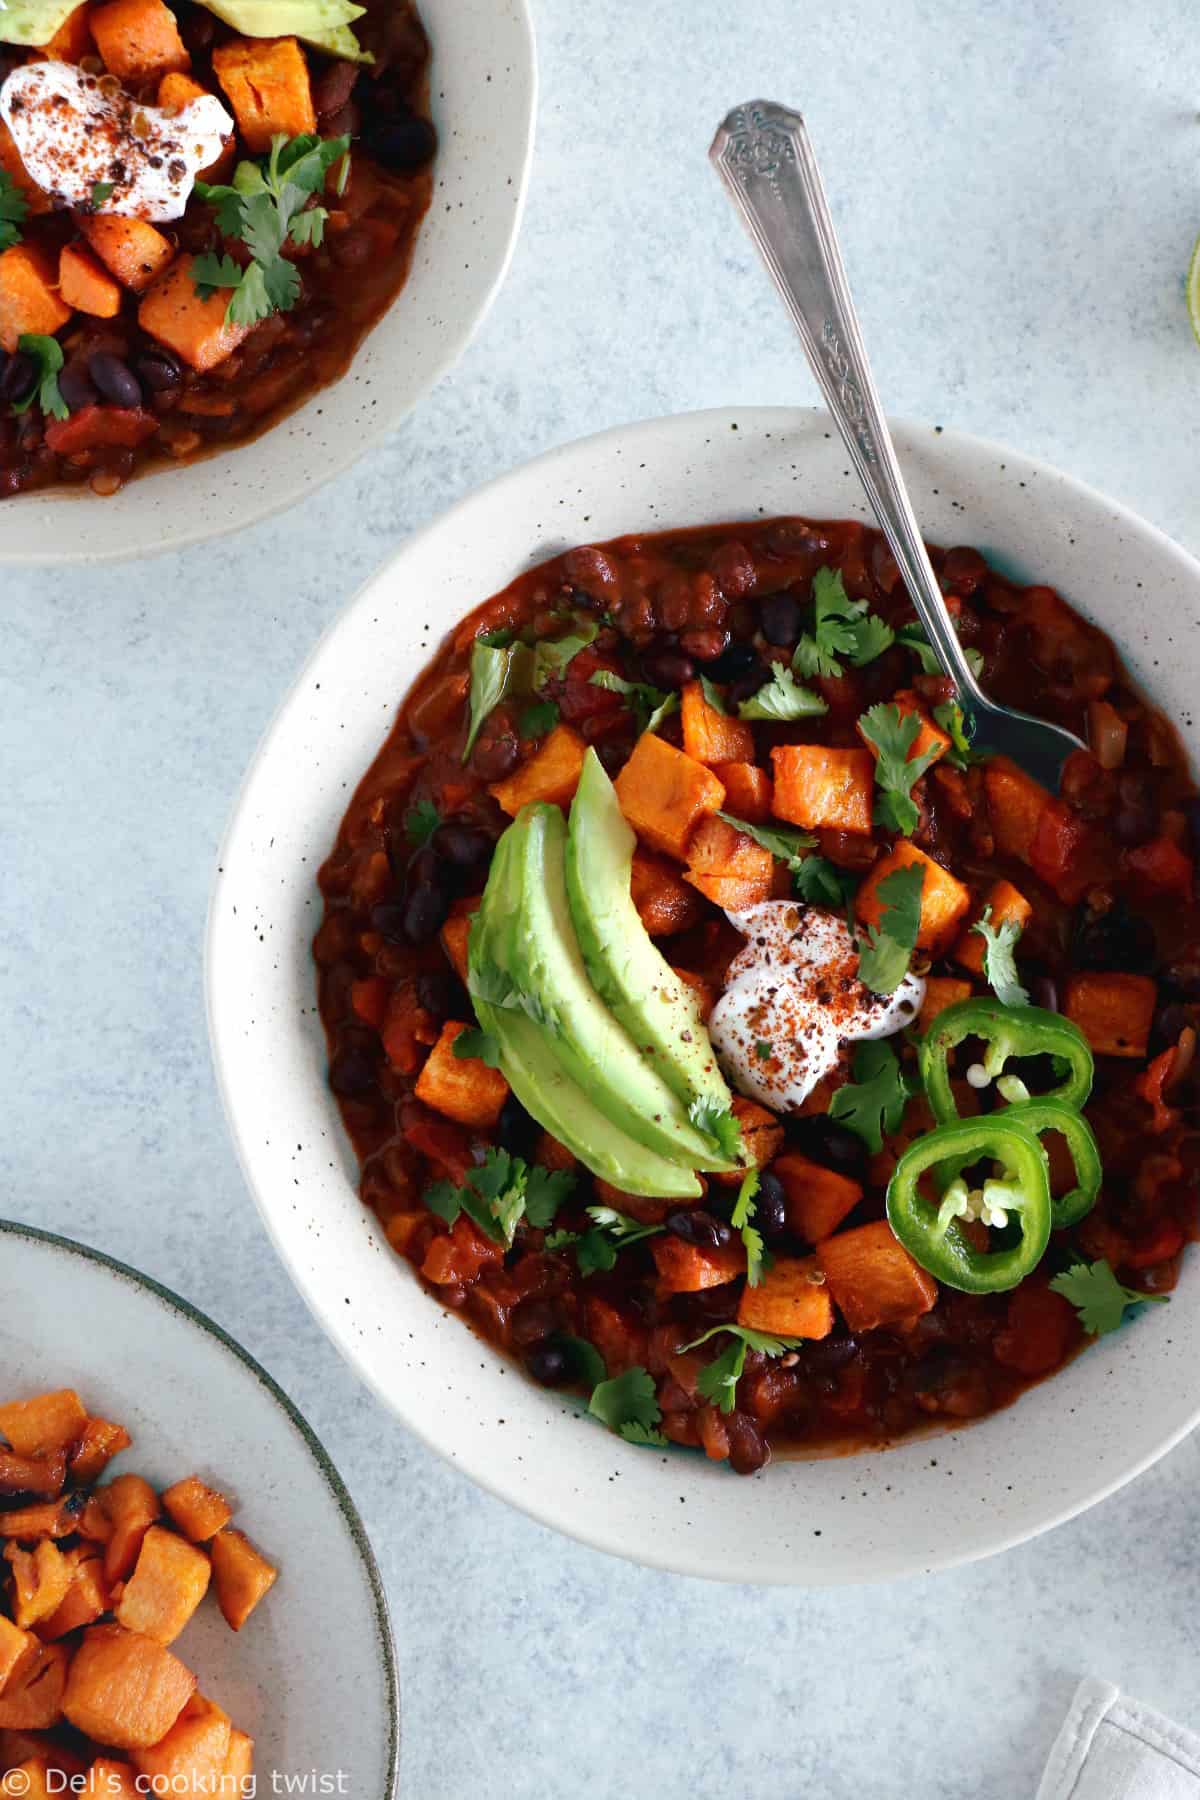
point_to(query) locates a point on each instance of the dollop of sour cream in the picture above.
(792, 998)
(74, 130)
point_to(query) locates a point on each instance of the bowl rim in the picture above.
(464, 1458)
(192, 1315)
(164, 539)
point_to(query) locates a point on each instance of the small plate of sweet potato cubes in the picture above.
(170, 1536)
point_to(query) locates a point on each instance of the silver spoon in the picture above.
(763, 155)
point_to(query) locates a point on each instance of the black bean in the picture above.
(549, 1363)
(438, 991)
(115, 379)
(732, 662)
(1043, 991)
(780, 618)
(770, 1208)
(748, 1449)
(424, 867)
(748, 684)
(1116, 939)
(532, 1321)
(75, 386)
(463, 845)
(403, 143)
(832, 1145)
(1136, 818)
(352, 1073)
(425, 913)
(495, 757)
(515, 1131)
(18, 376)
(158, 370)
(388, 920)
(695, 1226)
(668, 668)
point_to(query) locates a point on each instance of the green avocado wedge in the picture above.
(531, 1068)
(593, 1048)
(631, 976)
(33, 22)
(327, 24)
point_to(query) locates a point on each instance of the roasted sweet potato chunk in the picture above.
(665, 793)
(32, 1697)
(1113, 1011)
(169, 1582)
(138, 40)
(40, 1579)
(268, 86)
(686, 1269)
(944, 899)
(124, 1689)
(86, 1597)
(711, 736)
(85, 286)
(29, 297)
(791, 1300)
(817, 786)
(762, 1139)
(242, 1575)
(130, 248)
(1008, 906)
(45, 1423)
(873, 1279)
(196, 329)
(191, 1758)
(551, 775)
(131, 1505)
(99, 1442)
(198, 1511)
(664, 902)
(463, 1088)
(818, 1199)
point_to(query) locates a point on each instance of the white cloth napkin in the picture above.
(1114, 1748)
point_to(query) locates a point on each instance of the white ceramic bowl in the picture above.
(919, 1506)
(318, 1651)
(484, 83)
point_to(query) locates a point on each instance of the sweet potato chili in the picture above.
(934, 1216)
(135, 333)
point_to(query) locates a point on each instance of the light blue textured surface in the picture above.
(1017, 186)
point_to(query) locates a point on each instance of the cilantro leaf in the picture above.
(912, 637)
(628, 1399)
(782, 698)
(739, 1218)
(496, 1195)
(211, 273)
(786, 845)
(620, 1226)
(670, 705)
(718, 1123)
(546, 1191)
(949, 715)
(496, 671)
(1098, 1297)
(821, 884)
(479, 1045)
(764, 1049)
(47, 352)
(596, 1250)
(892, 734)
(634, 1432)
(874, 636)
(713, 695)
(101, 191)
(885, 950)
(552, 656)
(587, 1364)
(874, 1102)
(718, 1382)
(595, 1253)
(999, 963)
(420, 822)
(538, 719)
(646, 702)
(13, 209)
(308, 227)
(841, 627)
(280, 282)
(442, 1198)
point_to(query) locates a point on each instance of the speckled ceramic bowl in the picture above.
(484, 79)
(312, 1677)
(920, 1506)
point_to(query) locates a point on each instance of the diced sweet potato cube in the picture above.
(169, 1582)
(711, 736)
(456, 937)
(99, 1442)
(686, 1269)
(44, 1423)
(130, 248)
(718, 852)
(14, 1645)
(816, 786)
(138, 40)
(241, 1574)
(30, 1780)
(40, 1578)
(12, 165)
(732, 893)
(109, 1779)
(705, 992)
(1113, 1011)
(268, 86)
(552, 774)
(195, 329)
(747, 791)
(94, 1523)
(929, 737)
(1007, 904)
(791, 1300)
(944, 899)
(664, 902)
(818, 1199)
(191, 1758)
(664, 794)
(177, 91)
(762, 1139)
(29, 300)
(132, 1507)
(32, 1697)
(239, 1765)
(873, 1279)
(1015, 805)
(196, 1510)
(86, 1598)
(43, 1476)
(941, 991)
(53, 1519)
(456, 1256)
(85, 286)
(124, 1689)
(462, 1087)
(73, 39)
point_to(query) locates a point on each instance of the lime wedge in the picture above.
(1193, 290)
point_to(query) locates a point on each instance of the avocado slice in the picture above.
(592, 1047)
(33, 22)
(533, 1072)
(327, 24)
(629, 973)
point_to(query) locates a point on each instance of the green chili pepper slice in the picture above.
(1041, 1116)
(932, 1234)
(1007, 1031)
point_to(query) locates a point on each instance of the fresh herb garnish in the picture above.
(480, 1046)
(13, 209)
(420, 823)
(713, 695)
(740, 1218)
(266, 205)
(949, 715)
(545, 1191)
(912, 637)
(885, 950)
(892, 734)
(822, 884)
(47, 353)
(596, 1250)
(553, 655)
(874, 1102)
(841, 627)
(782, 698)
(587, 1364)
(718, 1123)
(538, 719)
(494, 672)
(650, 704)
(1098, 1297)
(764, 1049)
(101, 191)
(498, 1194)
(786, 845)
(628, 1405)
(718, 1382)
(999, 963)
